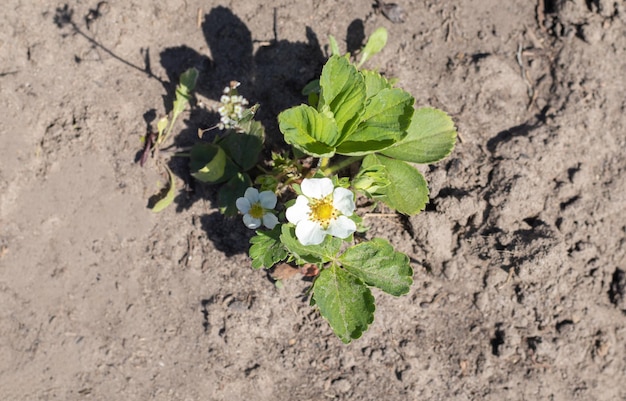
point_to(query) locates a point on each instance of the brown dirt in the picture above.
(520, 266)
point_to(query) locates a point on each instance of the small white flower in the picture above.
(257, 208)
(322, 209)
(233, 107)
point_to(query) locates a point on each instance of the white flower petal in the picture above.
(299, 211)
(342, 227)
(317, 188)
(270, 220)
(252, 195)
(343, 200)
(243, 205)
(267, 199)
(309, 233)
(251, 222)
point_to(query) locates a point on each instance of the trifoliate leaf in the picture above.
(377, 264)
(266, 249)
(344, 301)
(407, 191)
(312, 132)
(430, 137)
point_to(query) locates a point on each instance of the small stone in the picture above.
(481, 300)
(450, 269)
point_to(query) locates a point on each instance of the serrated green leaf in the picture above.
(386, 118)
(309, 130)
(377, 264)
(344, 301)
(243, 148)
(229, 192)
(342, 93)
(407, 191)
(374, 83)
(322, 253)
(430, 137)
(375, 44)
(169, 195)
(209, 163)
(266, 249)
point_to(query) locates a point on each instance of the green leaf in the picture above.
(344, 301)
(243, 148)
(342, 93)
(266, 249)
(371, 180)
(308, 130)
(311, 87)
(166, 200)
(229, 192)
(183, 91)
(312, 91)
(209, 163)
(322, 253)
(247, 118)
(407, 191)
(374, 83)
(375, 44)
(430, 137)
(161, 125)
(377, 264)
(334, 47)
(386, 118)
(183, 94)
(188, 80)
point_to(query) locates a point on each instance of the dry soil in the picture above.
(519, 259)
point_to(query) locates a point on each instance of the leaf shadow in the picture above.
(272, 73)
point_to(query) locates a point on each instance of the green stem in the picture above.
(323, 163)
(342, 164)
(162, 139)
(262, 169)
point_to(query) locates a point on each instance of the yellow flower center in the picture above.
(323, 211)
(257, 211)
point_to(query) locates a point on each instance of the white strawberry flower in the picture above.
(322, 210)
(257, 208)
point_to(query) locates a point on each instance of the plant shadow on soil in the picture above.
(272, 76)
